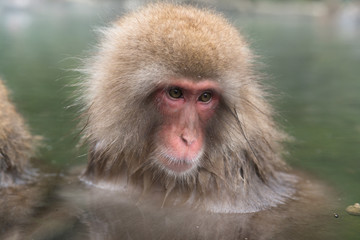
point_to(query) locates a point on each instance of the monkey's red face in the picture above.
(186, 107)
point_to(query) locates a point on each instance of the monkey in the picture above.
(178, 125)
(24, 189)
(16, 144)
(173, 106)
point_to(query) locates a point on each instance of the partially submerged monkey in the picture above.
(20, 194)
(173, 107)
(175, 112)
(16, 144)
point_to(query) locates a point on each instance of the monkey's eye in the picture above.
(175, 93)
(205, 97)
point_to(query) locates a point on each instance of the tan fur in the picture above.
(16, 143)
(242, 168)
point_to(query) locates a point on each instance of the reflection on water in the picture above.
(72, 210)
(313, 62)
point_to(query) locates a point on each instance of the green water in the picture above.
(313, 65)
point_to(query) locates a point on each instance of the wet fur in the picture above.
(242, 169)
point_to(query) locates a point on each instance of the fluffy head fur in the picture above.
(16, 143)
(241, 170)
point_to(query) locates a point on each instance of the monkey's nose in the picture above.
(188, 139)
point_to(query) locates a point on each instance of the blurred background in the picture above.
(309, 50)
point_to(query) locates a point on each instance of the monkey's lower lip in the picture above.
(178, 166)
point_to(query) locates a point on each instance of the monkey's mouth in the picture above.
(177, 165)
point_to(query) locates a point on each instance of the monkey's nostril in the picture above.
(188, 140)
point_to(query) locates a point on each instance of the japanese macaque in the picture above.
(173, 107)
(176, 120)
(16, 144)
